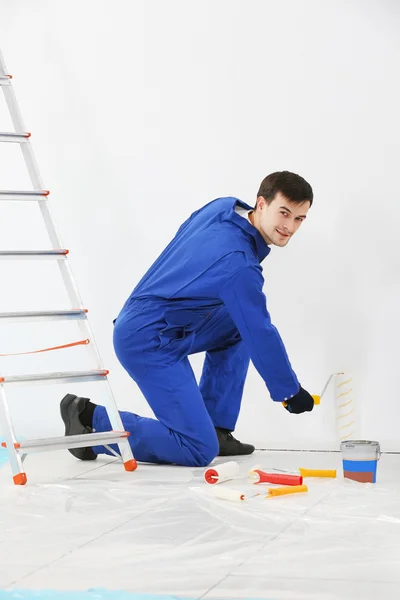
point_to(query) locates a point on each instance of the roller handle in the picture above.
(279, 478)
(282, 491)
(318, 473)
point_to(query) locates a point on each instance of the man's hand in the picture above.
(301, 402)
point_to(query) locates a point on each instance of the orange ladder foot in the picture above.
(20, 479)
(130, 465)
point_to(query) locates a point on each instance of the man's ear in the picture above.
(260, 201)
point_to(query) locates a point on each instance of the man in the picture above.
(203, 293)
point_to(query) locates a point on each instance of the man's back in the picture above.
(207, 249)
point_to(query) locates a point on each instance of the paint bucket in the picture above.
(360, 460)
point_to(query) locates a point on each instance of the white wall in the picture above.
(143, 111)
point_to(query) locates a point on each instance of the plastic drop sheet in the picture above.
(92, 529)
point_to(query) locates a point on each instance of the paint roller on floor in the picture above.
(223, 472)
(232, 495)
(231, 470)
(224, 493)
(320, 473)
(291, 484)
(293, 478)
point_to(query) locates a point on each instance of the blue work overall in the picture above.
(203, 294)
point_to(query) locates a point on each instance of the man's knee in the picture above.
(205, 451)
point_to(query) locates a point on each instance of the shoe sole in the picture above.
(237, 454)
(64, 410)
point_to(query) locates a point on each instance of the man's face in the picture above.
(279, 220)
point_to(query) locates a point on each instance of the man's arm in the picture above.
(247, 305)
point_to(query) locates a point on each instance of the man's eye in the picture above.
(283, 212)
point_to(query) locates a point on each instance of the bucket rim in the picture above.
(347, 444)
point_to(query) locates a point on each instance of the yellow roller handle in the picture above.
(317, 473)
(317, 400)
(290, 489)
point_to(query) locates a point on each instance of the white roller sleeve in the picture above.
(225, 493)
(223, 472)
(346, 421)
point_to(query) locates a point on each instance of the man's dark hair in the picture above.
(290, 185)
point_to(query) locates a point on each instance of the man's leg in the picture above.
(221, 386)
(222, 382)
(183, 434)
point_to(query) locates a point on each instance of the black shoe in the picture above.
(230, 446)
(71, 407)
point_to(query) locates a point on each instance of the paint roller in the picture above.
(316, 398)
(294, 479)
(222, 472)
(291, 484)
(223, 493)
(231, 470)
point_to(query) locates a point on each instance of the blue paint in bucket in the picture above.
(357, 466)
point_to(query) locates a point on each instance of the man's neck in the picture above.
(253, 221)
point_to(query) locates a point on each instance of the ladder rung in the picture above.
(74, 314)
(71, 441)
(33, 254)
(21, 138)
(31, 195)
(74, 376)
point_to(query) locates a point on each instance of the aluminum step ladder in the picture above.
(17, 451)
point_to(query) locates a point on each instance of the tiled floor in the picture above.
(77, 526)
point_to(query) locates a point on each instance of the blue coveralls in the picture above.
(203, 293)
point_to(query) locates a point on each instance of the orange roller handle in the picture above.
(280, 478)
(282, 491)
(318, 473)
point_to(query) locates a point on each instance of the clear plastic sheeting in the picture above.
(89, 595)
(160, 530)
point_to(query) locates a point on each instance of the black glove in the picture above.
(301, 402)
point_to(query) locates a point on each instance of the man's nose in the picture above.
(289, 227)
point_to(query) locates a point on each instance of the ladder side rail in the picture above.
(10, 439)
(64, 266)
